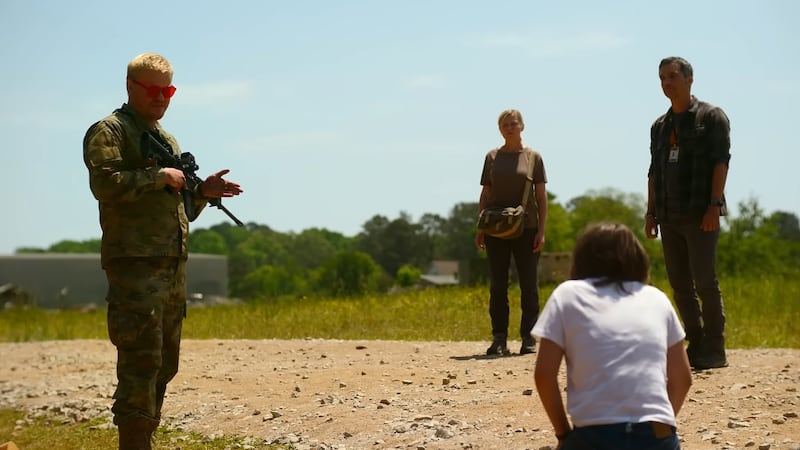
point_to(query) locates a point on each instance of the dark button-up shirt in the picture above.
(682, 184)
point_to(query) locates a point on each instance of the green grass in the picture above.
(45, 434)
(760, 313)
(429, 315)
(766, 316)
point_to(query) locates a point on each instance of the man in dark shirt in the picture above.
(689, 156)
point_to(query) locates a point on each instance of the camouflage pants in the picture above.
(146, 307)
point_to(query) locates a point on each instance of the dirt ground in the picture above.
(331, 394)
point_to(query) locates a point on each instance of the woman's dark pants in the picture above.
(499, 252)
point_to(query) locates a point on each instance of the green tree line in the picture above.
(264, 263)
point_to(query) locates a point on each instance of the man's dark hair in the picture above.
(686, 68)
(611, 252)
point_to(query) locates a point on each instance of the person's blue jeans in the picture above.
(690, 259)
(499, 252)
(620, 436)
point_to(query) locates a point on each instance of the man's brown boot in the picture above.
(135, 433)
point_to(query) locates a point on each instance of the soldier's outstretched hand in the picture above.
(215, 186)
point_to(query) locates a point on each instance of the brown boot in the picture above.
(135, 433)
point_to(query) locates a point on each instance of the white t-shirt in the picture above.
(615, 344)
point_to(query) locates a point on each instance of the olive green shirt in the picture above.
(139, 216)
(506, 173)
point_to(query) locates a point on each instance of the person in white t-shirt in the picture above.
(627, 369)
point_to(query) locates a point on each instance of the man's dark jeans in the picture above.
(690, 258)
(619, 436)
(499, 252)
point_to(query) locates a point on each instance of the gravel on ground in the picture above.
(339, 394)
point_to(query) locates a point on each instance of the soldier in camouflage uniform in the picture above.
(143, 253)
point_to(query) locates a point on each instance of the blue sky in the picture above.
(329, 112)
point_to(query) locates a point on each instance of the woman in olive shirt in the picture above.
(505, 171)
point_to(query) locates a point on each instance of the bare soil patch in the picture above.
(325, 394)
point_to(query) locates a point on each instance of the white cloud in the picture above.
(577, 43)
(505, 40)
(428, 81)
(215, 92)
(291, 142)
(782, 86)
(542, 44)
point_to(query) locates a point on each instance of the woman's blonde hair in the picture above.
(148, 61)
(510, 112)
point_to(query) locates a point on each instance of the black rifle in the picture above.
(154, 149)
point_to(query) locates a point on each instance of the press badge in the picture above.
(673, 154)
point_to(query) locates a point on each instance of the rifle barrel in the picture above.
(218, 203)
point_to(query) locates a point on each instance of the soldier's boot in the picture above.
(135, 433)
(528, 345)
(695, 348)
(499, 346)
(713, 354)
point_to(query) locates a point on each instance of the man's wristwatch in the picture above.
(716, 202)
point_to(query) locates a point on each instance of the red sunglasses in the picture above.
(153, 91)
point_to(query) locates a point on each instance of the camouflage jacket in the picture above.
(139, 216)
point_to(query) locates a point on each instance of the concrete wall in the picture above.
(554, 267)
(57, 280)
